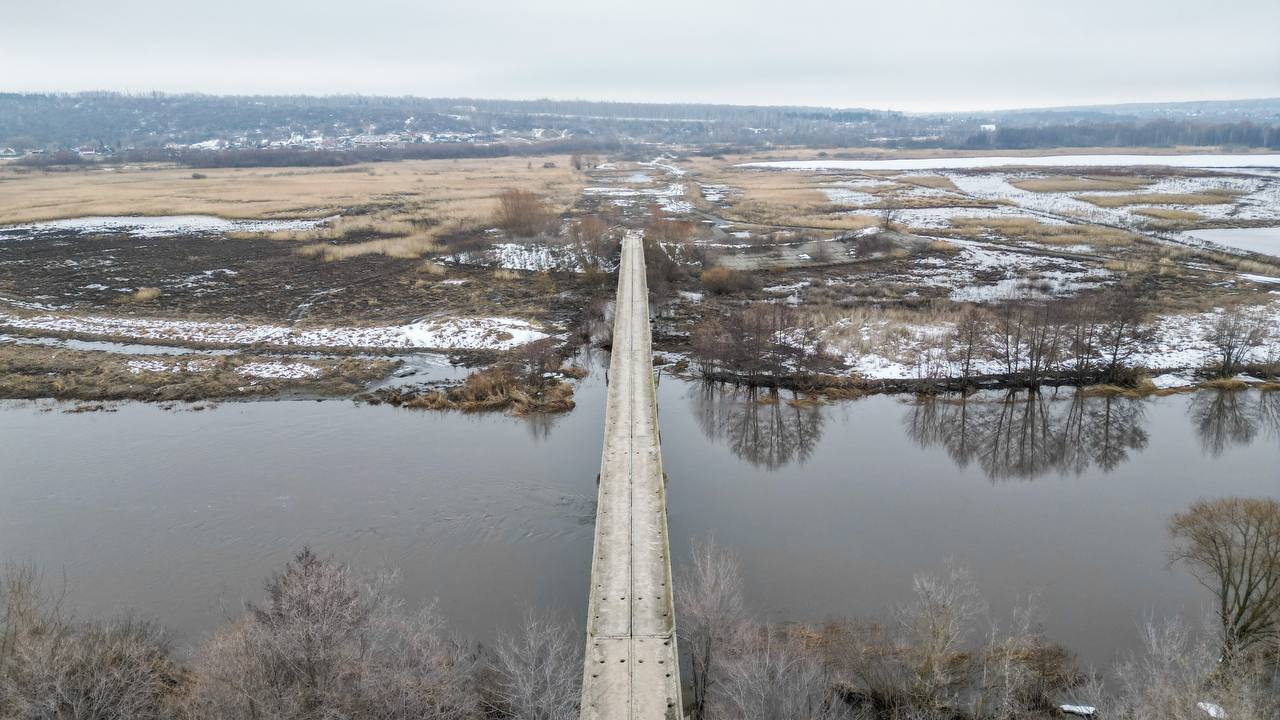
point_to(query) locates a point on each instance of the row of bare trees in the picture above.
(324, 643)
(1024, 343)
(929, 663)
(1091, 338)
(933, 662)
(758, 344)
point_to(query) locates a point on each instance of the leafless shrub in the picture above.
(53, 669)
(935, 626)
(665, 230)
(1167, 680)
(1021, 673)
(1180, 675)
(920, 668)
(933, 357)
(708, 594)
(538, 671)
(592, 244)
(325, 645)
(662, 270)
(521, 213)
(535, 359)
(775, 677)
(722, 280)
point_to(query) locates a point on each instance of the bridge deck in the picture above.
(631, 669)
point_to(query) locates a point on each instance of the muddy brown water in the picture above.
(832, 509)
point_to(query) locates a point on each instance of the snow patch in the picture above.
(278, 370)
(157, 227)
(494, 333)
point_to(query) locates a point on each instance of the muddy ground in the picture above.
(215, 277)
(37, 371)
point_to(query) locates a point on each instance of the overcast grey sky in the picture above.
(915, 55)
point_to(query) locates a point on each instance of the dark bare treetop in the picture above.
(1232, 546)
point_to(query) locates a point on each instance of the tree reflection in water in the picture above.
(1018, 435)
(759, 425)
(1011, 435)
(1224, 418)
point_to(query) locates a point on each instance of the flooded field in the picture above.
(1098, 160)
(832, 508)
(1265, 240)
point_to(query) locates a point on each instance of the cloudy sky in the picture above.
(918, 55)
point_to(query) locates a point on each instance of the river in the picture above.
(181, 515)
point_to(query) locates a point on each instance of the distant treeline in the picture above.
(107, 122)
(294, 157)
(1156, 133)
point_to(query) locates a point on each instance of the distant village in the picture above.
(297, 141)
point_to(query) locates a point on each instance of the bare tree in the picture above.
(708, 593)
(1232, 546)
(1122, 329)
(323, 644)
(890, 210)
(1083, 330)
(1007, 336)
(970, 339)
(1235, 333)
(539, 671)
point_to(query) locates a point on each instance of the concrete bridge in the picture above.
(631, 669)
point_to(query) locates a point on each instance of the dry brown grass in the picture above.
(145, 294)
(937, 182)
(784, 199)
(1161, 266)
(1072, 183)
(1036, 231)
(492, 389)
(1225, 384)
(402, 207)
(888, 331)
(1171, 214)
(433, 268)
(413, 246)
(1254, 266)
(723, 280)
(1208, 197)
(439, 188)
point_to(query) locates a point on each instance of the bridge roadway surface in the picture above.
(630, 670)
